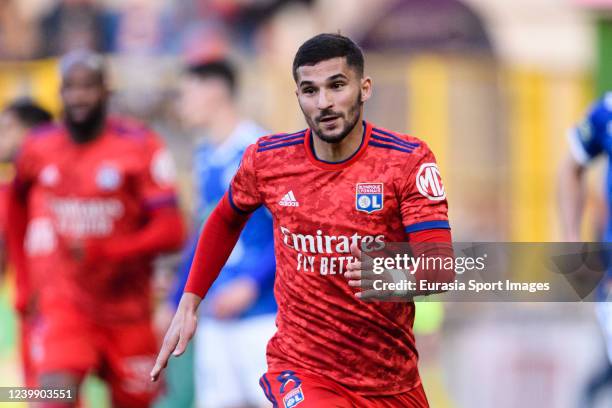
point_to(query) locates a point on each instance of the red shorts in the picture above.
(288, 389)
(121, 354)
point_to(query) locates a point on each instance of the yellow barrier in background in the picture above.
(37, 79)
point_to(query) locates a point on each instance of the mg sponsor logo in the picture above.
(429, 182)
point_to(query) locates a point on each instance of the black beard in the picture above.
(87, 130)
(345, 132)
(348, 128)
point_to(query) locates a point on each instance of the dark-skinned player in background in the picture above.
(16, 121)
(333, 188)
(101, 204)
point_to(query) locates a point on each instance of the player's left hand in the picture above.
(361, 276)
(179, 333)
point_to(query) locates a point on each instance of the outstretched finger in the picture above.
(164, 354)
(186, 335)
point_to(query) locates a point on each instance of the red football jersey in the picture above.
(13, 255)
(390, 187)
(97, 190)
(5, 196)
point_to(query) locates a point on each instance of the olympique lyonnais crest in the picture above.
(429, 182)
(369, 197)
(108, 177)
(293, 398)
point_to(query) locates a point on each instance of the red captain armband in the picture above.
(216, 242)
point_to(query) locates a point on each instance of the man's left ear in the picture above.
(366, 88)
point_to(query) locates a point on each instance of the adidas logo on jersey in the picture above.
(289, 200)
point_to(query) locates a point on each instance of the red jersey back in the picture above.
(93, 191)
(388, 188)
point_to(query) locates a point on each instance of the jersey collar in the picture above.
(308, 145)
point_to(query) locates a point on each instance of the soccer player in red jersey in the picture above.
(341, 184)
(101, 205)
(16, 120)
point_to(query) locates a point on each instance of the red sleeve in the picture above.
(15, 235)
(244, 194)
(217, 240)
(423, 202)
(433, 243)
(430, 235)
(164, 232)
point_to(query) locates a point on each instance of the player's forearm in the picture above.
(217, 240)
(182, 272)
(163, 233)
(571, 198)
(433, 244)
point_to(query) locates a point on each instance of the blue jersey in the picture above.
(253, 256)
(590, 139)
(593, 137)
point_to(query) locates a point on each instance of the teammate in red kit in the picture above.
(339, 185)
(16, 120)
(102, 204)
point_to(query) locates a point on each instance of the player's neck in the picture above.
(223, 125)
(337, 152)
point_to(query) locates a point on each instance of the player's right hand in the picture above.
(181, 330)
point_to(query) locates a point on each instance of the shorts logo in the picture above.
(369, 197)
(293, 397)
(108, 178)
(429, 182)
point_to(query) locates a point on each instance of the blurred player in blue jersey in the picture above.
(238, 315)
(590, 139)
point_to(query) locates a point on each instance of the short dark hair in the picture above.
(28, 113)
(218, 68)
(327, 46)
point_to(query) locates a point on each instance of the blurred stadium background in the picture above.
(491, 85)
